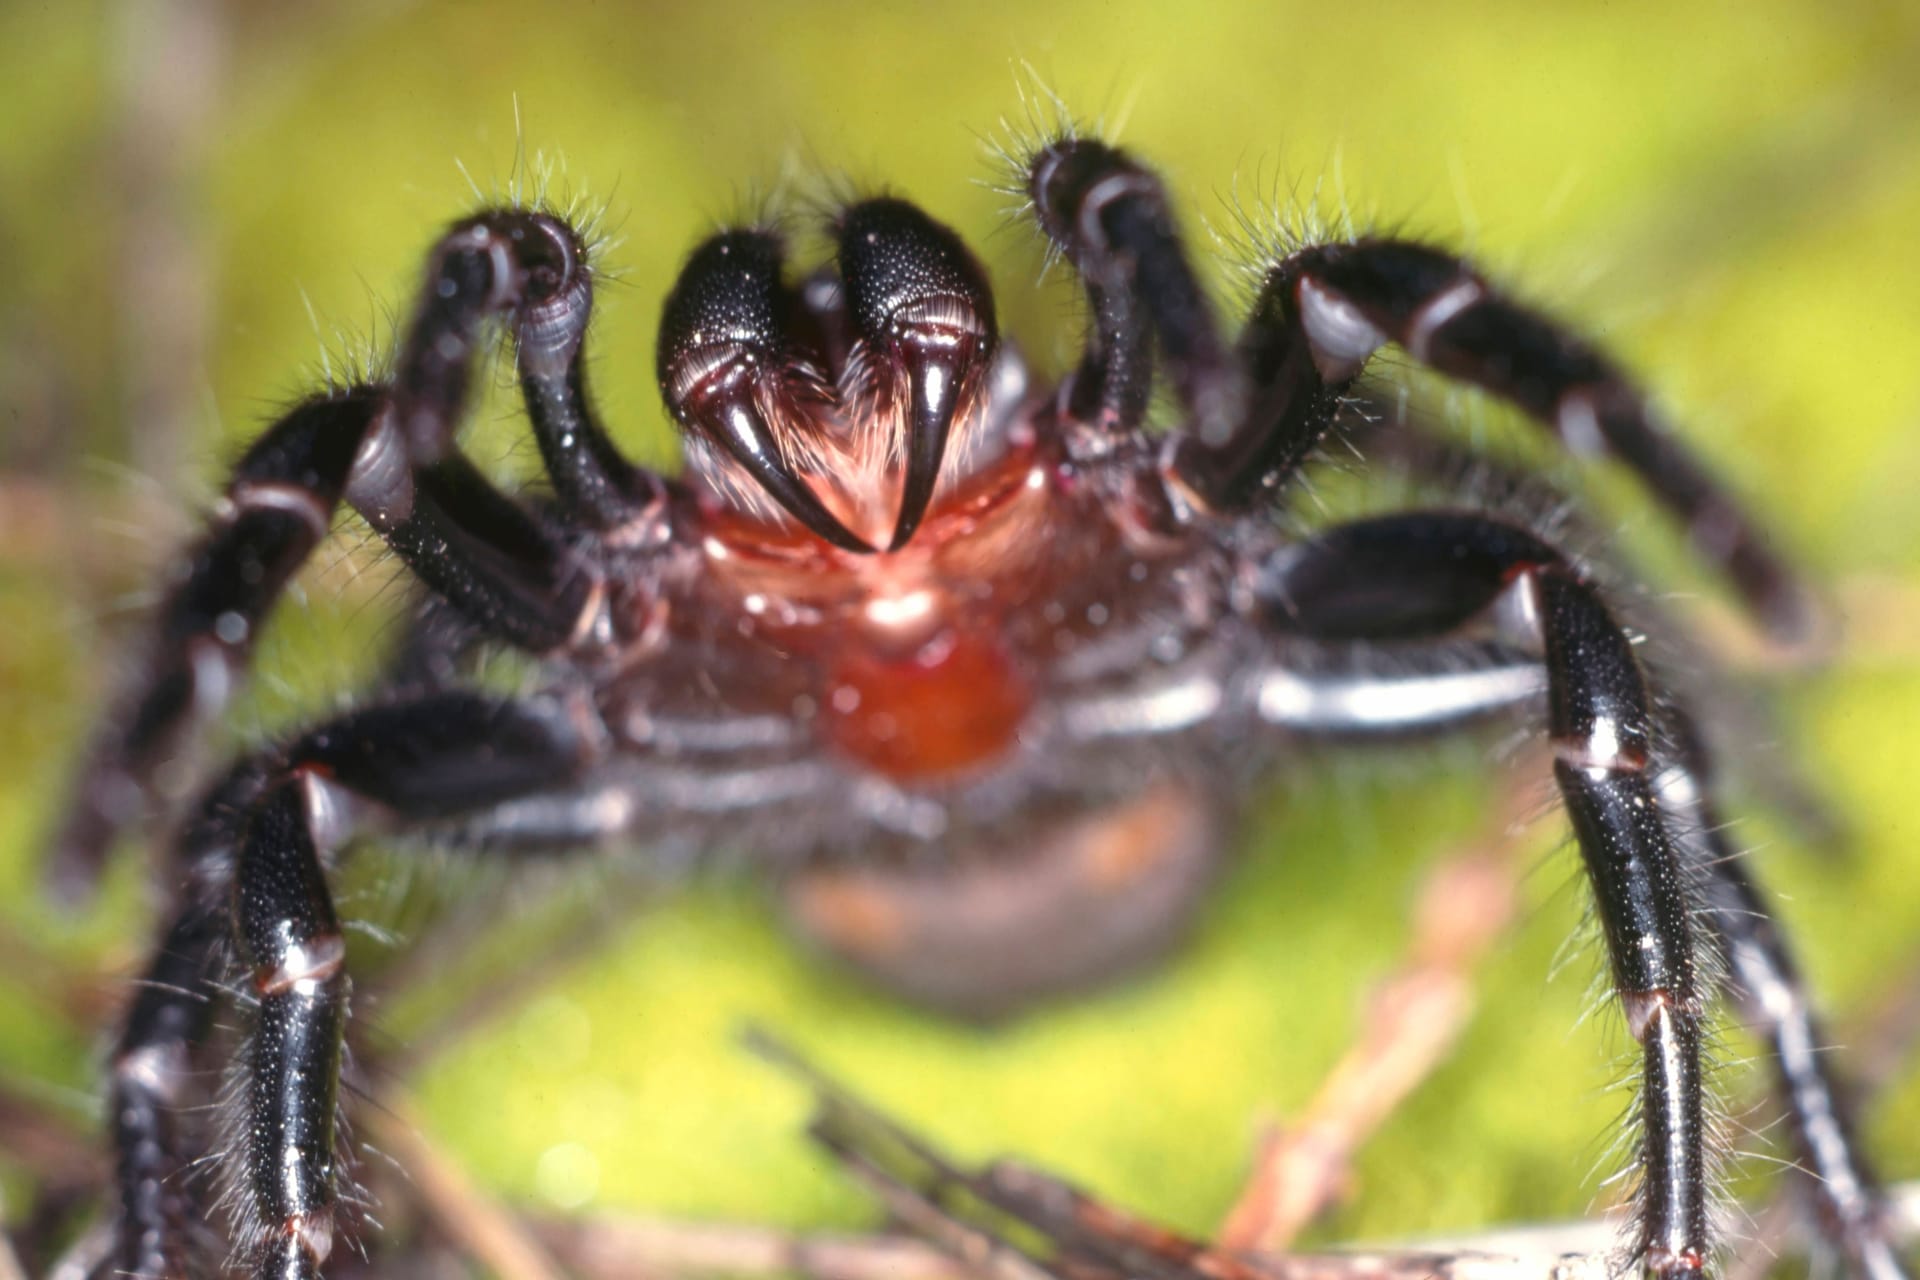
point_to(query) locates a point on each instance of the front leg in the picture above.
(290, 940)
(1255, 412)
(1327, 308)
(1111, 218)
(389, 450)
(257, 855)
(1763, 981)
(1427, 573)
(1360, 582)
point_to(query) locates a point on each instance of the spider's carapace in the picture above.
(921, 656)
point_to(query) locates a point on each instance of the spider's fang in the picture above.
(918, 300)
(722, 361)
(729, 416)
(939, 360)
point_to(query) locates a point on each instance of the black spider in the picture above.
(902, 599)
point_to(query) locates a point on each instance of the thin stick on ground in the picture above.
(616, 1247)
(1467, 902)
(1007, 1221)
(611, 1247)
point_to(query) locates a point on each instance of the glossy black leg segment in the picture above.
(278, 506)
(1599, 721)
(1396, 578)
(153, 1084)
(390, 452)
(254, 864)
(1764, 983)
(1352, 298)
(1113, 384)
(1113, 221)
(529, 269)
(923, 313)
(1424, 691)
(469, 542)
(593, 481)
(484, 553)
(289, 937)
(1294, 394)
(504, 263)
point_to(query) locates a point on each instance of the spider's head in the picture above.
(848, 401)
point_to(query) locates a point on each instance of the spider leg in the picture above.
(1256, 413)
(1341, 302)
(254, 879)
(276, 509)
(1448, 470)
(1113, 383)
(593, 481)
(152, 1079)
(1111, 218)
(389, 452)
(1395, 579)
(1765, 985)
(1426, 573)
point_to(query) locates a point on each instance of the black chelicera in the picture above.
(904, 599)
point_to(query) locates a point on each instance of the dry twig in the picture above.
(617, 1248)
(1010, 1222)
(1412, 1021)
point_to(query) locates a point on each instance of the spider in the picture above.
(912, 623)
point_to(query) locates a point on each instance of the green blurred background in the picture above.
(196, 199)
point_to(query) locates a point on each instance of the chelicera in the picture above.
(910, 623)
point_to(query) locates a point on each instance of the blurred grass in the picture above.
(1726, 193)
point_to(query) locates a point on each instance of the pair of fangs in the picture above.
(906, 337)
